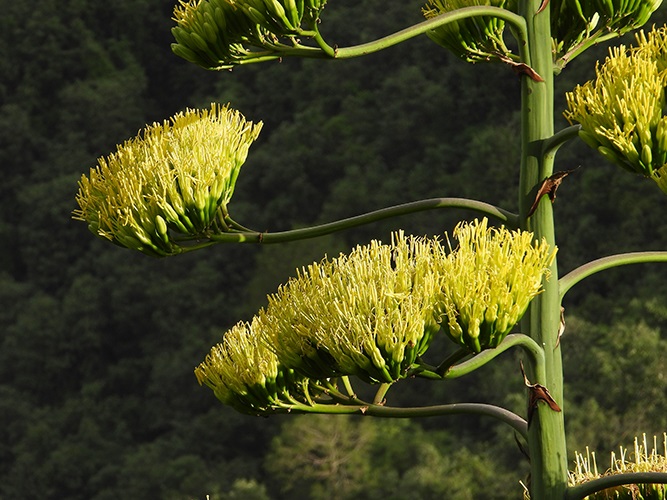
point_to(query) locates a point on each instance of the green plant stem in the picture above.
(381, 393)
(595, 39)
(581, 491)
(506, 416)
(552, 144)
(451, 360)
(510, 219)
(595, 266)
(517, 24)
(546, 435)
(326, 51)
(514, 340)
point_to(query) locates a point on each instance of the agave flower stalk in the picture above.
(174, 179)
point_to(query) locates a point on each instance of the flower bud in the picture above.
(577, 24)
(219, 34)
(474, 39)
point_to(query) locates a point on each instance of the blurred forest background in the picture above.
(97, 395)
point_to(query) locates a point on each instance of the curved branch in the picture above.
(516, 22)
(551, 144)
(407, 208)
(516, 339)
(581, 491)
(375, 410)
(578, 274)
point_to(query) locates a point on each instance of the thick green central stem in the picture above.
(546, 435)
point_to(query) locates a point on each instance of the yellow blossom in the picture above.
(621, 111)
(370, 313)
(490, 279)
(173, 178)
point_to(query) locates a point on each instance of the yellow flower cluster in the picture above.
(245, 374)
(369, 314)
(174, 177)
(641, 460)
(491, 279)
(621, 111)
(374, 312)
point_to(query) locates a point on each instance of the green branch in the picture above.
(407, 208)
(550, 145)
(375, 410)
(581, 491)
(516, 22)
(578, 274)
(517, 339)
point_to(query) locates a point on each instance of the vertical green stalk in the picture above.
(546, 434)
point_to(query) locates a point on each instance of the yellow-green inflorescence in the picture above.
(174, 179)
(621, 112)
(373, 313)
(641, 459)
(369, 313)
(490, 279)
(219, 34)
(246, 375)
(474, 39)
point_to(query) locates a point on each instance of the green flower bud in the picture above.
(490, 279)
(474, 39)
(367, 314)
(621, 111)
(219, 34)
(576, 24)
(167, 176)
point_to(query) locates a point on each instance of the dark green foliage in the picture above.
(97, 345)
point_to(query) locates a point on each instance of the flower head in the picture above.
(245, 374)
(490, 279)
(174, 178)
(368, 314)
(641, 460)
(621, 111)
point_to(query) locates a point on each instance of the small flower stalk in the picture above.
(491, 278)
(474, 39)
(621, 111)
(174, 180)
(220, 34)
